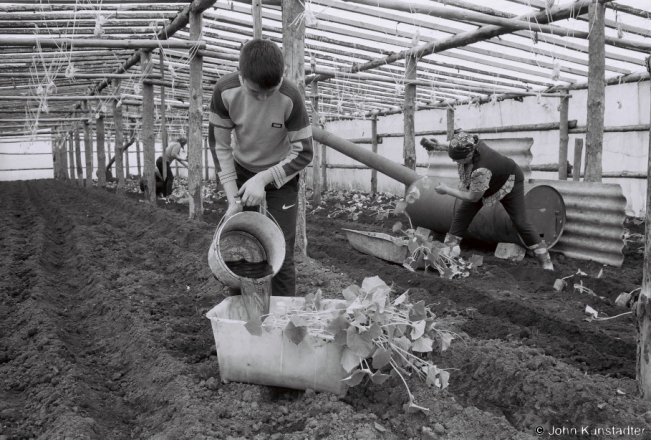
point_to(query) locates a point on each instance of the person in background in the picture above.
(165, 187)
(488, 177)
(271, 144)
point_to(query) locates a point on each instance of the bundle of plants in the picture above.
(381, 337)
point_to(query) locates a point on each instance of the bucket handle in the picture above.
(222, 221)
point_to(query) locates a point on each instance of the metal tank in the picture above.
(545, 206)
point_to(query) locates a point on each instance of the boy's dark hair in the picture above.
(262, 62)
(182, 140)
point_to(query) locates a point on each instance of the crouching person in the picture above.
(487, 177)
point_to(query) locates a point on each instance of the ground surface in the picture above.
(103, 333)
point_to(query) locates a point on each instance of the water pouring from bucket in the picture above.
(247, 250)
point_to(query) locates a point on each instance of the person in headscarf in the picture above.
(487, 177)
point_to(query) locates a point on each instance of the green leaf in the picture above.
(397, 226)
(422, 345)
(379, 378)
(445, 377)
(369, 285)
(402, 342)
(350, 292)
(349, 360)
(381, 216)
(400, 207)
(355, 378)
(381, 358)
(431, 378)
(418, 329)
(408, 264)
(295, 334)
(298, 320)
(446, 340)
(476, 260)
(337, 324)
(357, 343)
(360, 318)
(375, 331)
(254, 326)
(340, 338)
(417, 312)
(412, 245)
(402, 298)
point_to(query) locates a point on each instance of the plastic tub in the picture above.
(272, 359)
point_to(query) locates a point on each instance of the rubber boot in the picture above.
(542, 255)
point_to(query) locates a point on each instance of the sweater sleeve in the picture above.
(299, 132)
(221, 125)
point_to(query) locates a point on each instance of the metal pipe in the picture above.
(392, 169)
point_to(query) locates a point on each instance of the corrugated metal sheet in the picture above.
(518, 149)
(594, 228)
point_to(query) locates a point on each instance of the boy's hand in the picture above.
(252, 192)
(441, 188)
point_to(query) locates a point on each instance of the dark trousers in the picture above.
(164, 188)
(282, 204)
(513, 204)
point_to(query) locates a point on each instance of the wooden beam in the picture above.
(374, 150)
(71, 156)
(148, 134)
(138, 160)
(469, 37)
(316, 160)
(56, 43)
(163, 111)
(80, 170)
(256, 9)
(409, 110)
(101, 152)
(195, 136)
(596, 95)
(88, 147)
(294, 51)
(578, 153)
(119, 141)
(564, 139)
(642, 311)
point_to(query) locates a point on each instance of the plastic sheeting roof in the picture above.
(339, 34)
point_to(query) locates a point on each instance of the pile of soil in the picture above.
(103, 332)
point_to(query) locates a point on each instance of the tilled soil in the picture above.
(103, 334)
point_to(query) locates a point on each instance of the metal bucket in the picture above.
(544, 206)
(247, 235)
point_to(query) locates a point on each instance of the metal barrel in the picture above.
(544, 206)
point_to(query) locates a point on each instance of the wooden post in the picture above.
(578, 152)
(316, 160)
(642, 311)
(409, 149)
(324, 167)
(205, 158)
(55, 162)
(450, 122)
(101, 152)
(63, 142)
(71, 155)
(564, 138)
(256, 11)
(119, 142)
(138, 157)
(596, 93)
(88, 147)
(148, 135)
(80, 170)
(163, 110)
(195, 114)
(127, 167)
(374, 149)
(294, 50)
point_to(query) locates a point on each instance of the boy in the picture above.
(272, 143)
(164, 187)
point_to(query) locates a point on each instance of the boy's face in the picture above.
(258, 93)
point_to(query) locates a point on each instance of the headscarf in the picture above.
(461, 145)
